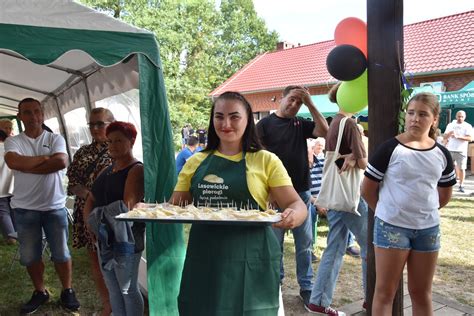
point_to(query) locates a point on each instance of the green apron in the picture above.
(229, 269)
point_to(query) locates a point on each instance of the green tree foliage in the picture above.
(202, 43)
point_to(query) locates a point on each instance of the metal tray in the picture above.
(270, 221)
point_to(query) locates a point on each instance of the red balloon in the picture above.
(352, 31)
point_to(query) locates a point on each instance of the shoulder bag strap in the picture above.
(339, 136)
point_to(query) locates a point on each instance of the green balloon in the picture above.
(352, 96)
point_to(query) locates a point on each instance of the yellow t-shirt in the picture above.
(264, 170)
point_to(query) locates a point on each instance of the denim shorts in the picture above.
(390, 236)
(30, 226)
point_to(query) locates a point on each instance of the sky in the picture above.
(312, 21)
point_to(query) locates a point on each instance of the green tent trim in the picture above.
(165, 245)
(326, 107)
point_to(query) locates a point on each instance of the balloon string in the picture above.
(406, 84)
(399, 57)
(384, 67)
(409, 78)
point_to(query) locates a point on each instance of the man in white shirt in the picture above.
(458, 134)
(37, 158)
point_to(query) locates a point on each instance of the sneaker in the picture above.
(305, 295)
(461, 189)
(37, 299)
(364, 305)
(320, 310)
(353, 251)
(313, 257)
(69, 301)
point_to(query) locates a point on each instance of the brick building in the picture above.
(438, 51)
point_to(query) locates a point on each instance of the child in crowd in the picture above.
(407, 180)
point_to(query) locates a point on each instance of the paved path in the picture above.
(468, 188)
(441, 307)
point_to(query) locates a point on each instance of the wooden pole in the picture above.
(385, 64)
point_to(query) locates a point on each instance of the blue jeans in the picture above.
(7, 221)
(303, 237)
(314, 223)
(328, 271)
(350, 240)
(31, 224)
(122, 283)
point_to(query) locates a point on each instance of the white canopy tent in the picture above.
(62, 78)
(70, 57)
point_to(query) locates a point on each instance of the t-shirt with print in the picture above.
(263, 170)
(40, 192)
(286, 137)
(458, 145)
(408, 177)
(351, 139)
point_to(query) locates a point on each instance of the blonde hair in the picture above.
(3, 122)
(332, 94)
(109, 115)
(320, 140)
(430, 100)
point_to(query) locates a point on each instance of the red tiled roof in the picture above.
(437, 45)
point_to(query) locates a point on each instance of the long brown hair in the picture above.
(250, 140)
(430, 100)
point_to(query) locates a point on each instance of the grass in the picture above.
(16, 287)
(453, 279)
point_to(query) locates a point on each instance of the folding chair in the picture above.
(70, 209)
(70, 215)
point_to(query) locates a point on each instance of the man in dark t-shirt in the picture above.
(285, 135)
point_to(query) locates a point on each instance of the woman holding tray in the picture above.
(118, 187)
(232, 269)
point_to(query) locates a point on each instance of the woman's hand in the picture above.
(89, 204)
(80, 191)
(321, 210)
(295, 211)
(349, 163)
(370, 192)
(288, 220)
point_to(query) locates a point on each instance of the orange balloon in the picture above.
(352, 31)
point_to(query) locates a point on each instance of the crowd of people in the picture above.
(105, 179)
(187, 132)
(279, 162)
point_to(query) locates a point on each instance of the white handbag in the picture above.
(339, 191)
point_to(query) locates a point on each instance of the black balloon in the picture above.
(346, 62)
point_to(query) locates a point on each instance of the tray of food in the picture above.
(168, 213)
